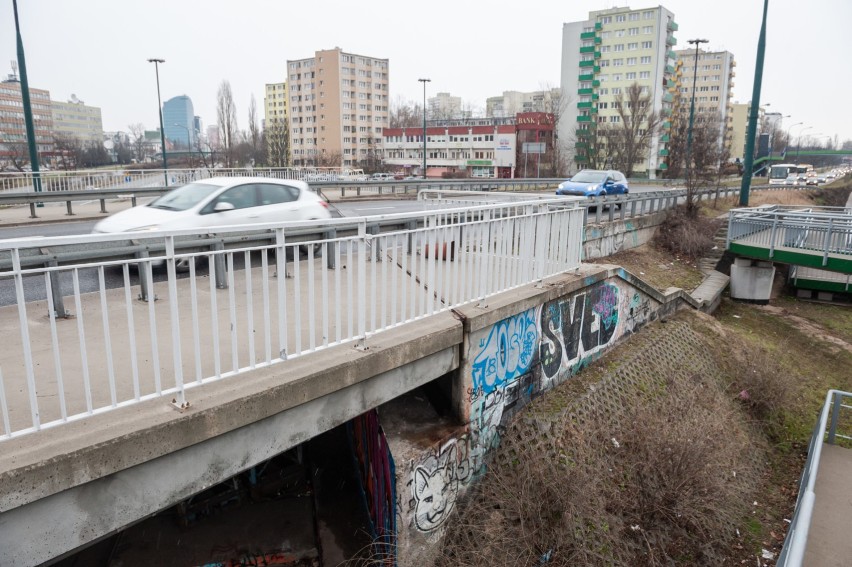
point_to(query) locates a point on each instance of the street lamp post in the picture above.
(752, 119)
(787, 141)
(697, 43)
(156, 63)
(799, 142)
(424, 81)
(25, 101)
(188, 141)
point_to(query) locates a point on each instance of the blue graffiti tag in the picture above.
(507, 352)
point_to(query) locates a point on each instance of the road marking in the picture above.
(373, 208)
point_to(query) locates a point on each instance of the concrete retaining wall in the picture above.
(601, 240)
(520, 346)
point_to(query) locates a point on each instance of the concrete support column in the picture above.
(751, 280)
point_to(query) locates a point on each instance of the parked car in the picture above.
(594, 183)
(221, 201)
(382, 176)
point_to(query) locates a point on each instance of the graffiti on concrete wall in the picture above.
(513, 361)
(434, 483)
(576, 328)
(376, 474)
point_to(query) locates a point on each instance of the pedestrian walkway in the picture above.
(829, 544)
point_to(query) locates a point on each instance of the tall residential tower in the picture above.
(338, 108)
(601, 58)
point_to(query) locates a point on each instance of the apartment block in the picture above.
(602, 57)
(74, 119)
(13, 131)
(275, 103)
(444, 106)
(712, 73)
(338, 108)
(512, 103)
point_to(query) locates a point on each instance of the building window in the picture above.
(648, 30)
(634, 16)
(646, 60)
(617, 62)
(647, 44)
(644, 75)
(633, 31)
(630, 76)
(620, 18)
(631, 61)
(619, 47)
(632, 46)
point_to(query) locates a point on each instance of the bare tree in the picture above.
(405, 114)
(226, 113)
(556, 103)
(628, 140)
(68, 151)
(254, 135)
(137, 140)
(277, 139)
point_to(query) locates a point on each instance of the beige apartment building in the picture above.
(713, 74)
(275, 103)
(602, 56)
(74, 119)
(337, 108)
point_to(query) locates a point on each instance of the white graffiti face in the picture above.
(436, 494)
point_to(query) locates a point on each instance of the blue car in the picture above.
(594, 183)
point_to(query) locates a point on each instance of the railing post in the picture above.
(376, 243)
(56, 292)
(330, 236)
(68, 208)
(827, 241)
(361, 291)
(171, 267)
(32, 211)
(633, 208)
(835, 415)
(103, 205)
(144, 292)
(772, 236)
(219, 266)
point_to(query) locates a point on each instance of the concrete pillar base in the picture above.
(751, 280)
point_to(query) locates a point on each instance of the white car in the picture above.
(222, 201)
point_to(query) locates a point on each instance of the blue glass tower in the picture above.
(179, 121)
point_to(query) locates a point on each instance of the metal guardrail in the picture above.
(810, 229)
(347, 279)
(793, 552)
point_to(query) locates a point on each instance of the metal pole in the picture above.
(697, 43)
(755, 104)
(156, 63)
(28, 111)
(424, 81)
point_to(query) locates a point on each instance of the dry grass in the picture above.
(658, 268)
(659, 482)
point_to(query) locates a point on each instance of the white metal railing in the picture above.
(810, 229)
(81, 180)
(231, 313)
(825, 431)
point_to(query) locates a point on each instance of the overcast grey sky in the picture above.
(98, 49)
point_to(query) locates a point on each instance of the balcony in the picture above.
(580, 158)
(671, 54)
(594, 110)
(669, 69)
(672, 26)
(585, 91)
(598, 26)
(670, 40)
(666, 112)
(595, 96)
(664, 152)
(597, 54)
(665, 138)
(584, 119)
(581, 145)
(663, 165)
(671, 84)
(667, 125)
(587, 35)
(598, 41)
(584, 105)
(587, 63)
(597, 69)
(668, 97)
(587, 49)
(596, 83)
(588, 77)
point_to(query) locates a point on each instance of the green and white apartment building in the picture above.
(603, 56)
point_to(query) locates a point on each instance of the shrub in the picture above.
(686, 236)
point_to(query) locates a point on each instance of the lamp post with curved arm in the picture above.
(787, 142)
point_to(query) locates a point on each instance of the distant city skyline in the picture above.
(100, 53)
